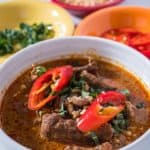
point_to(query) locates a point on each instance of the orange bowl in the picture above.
(115, 17)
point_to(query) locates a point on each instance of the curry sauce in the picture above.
(20, 123)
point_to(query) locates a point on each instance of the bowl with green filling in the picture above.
(23, 23)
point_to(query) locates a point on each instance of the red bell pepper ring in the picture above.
(55, 79)
(98, 114)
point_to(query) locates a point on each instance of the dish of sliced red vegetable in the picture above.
(131, 37)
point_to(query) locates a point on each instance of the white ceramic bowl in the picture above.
(49, 49)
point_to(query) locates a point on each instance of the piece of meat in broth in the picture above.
(138, 115)
(56, 128)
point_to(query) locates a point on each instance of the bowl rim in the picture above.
(86, 8)
(107, 10)
(80, 38)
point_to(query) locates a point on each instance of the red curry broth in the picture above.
(18, 120)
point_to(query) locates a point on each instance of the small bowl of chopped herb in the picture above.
(23, 23)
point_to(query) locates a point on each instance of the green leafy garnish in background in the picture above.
(12, 40)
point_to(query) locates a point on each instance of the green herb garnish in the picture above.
(84, 93)
(39, 70)
(120, 122)
(95, 91)
(62, 111)
(12, 40)
(94, 137)
(125, 92)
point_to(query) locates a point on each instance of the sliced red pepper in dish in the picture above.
(53, 80)
(130, 37)
(140, 39)
(116, 35)
(122, 38)
(104, 108)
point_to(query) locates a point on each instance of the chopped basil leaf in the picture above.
(95, 91)
(125, 92)
(84, 93)
(120, 122)
(62, 111)
(39, 70)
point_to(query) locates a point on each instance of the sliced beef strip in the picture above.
(79, 101)
(99, 81)
(105, 133)
(135, 100)
(104, 146)
(91, 78)
(91, 67)
(74, 113)
(34, 76)
(138, 115)
(122, 141)
(55, 128)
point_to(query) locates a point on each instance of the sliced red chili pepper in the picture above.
(54, 79)
(122, 38)
(139, 40)
(104, 108)
(116, 35)
(109, 36)
(115, 98)
(131, 37)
